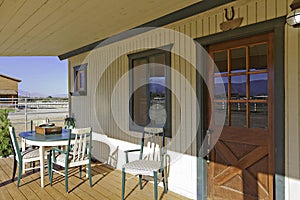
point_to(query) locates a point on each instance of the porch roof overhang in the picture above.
(58, 27)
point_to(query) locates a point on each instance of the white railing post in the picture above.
(15, 104)
(26, 114)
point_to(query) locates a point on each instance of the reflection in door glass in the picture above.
(238, 60)
(238, 114)
(220, 109)
(238, 87)
(258, 58)
(220, 87)
(259, 86)
(259, 115)
(220, 59)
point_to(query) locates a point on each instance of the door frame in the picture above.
(274, 25)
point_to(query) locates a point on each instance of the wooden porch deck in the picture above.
(106, 185)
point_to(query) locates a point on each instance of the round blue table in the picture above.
(33, 138)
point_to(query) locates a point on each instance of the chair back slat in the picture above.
(153, 141)
(79, 150)
(14, 142)
(83, 151)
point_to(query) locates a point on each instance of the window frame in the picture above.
(82, 91)
(168, 100)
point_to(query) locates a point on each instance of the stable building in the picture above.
(8, 87)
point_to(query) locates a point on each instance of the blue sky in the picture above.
(39, 74)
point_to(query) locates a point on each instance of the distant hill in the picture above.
(257, 87)
(35, 94)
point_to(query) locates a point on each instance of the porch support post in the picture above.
(201, 118)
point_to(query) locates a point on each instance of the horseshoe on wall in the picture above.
(232, 14)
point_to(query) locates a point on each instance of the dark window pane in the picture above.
(158, 58)
(157, 89)
(220, 59)
(157, 112)
(138, 62)
(82, 81)
(220, 113)
(238, 114)
(238, 87)
(140, 97)
(259, 115)
(259, 86)
(258, 57)
(140, 106)
(238, 60)
(77, 81)
(221, 87)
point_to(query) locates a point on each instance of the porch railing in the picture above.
(23, 110)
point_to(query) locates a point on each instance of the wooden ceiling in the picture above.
(54, 27)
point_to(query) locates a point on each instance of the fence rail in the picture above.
(23, 110)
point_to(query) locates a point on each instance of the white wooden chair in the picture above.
(76, 154)
(151, 164)
(22, 157)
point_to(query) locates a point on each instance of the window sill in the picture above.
(78, 93)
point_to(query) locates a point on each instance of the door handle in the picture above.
(208, 133)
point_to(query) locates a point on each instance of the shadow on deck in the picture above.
(106, 185)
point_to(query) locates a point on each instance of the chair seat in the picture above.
(62, 158)
(144, 167)
(30, 153)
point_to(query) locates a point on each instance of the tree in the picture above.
(5, 146)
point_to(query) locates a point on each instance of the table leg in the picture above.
(23, 144)
(42, 164)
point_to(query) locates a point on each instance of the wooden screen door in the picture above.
(242, 161)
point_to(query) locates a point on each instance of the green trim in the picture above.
(276, 26)
(201, 118)
(82, 67)
(243, 32)
(20, 172)
(186, 12)
(279, 112)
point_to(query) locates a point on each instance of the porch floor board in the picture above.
(106, 185)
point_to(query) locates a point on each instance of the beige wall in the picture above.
(95, 108)
(292, 102)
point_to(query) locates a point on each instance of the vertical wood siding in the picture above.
(292, 119)
(95, 108)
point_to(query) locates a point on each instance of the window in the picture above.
(244, 72)
(150, 102)
(80, 80)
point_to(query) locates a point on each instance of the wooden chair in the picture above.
(22, 157)
(151, 163)
(76, 154)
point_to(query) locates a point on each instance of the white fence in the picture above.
(23, 110)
